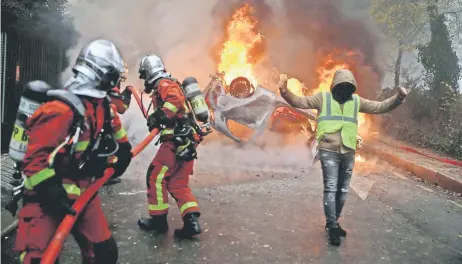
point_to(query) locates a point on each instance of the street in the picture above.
(265, 206)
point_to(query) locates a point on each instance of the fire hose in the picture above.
(57, 242)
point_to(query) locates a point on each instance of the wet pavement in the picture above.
(265, 206)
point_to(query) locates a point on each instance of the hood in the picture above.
(80, 84)
(343, 76)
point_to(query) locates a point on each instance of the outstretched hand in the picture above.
(282, 83)
(402, 93)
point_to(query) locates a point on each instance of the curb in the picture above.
(422, 172)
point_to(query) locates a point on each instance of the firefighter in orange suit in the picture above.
(60, 165)
(170, 169)
(120, 103)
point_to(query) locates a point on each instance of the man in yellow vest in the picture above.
(337, 132)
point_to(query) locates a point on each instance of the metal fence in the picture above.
(24, 59)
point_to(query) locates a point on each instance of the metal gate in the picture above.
(24, 59)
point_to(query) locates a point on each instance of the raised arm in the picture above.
(303, 102)
(376, 107)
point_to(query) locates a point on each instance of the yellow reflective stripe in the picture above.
(126, 106)
(170, 107)
(22, 257)
(166, 132)
(51, 158)
(82, 146)
(187, 206)
(159, 193)
(160, 207)
(186, 108)
(120, 134)
(39, 177)
(72, 189)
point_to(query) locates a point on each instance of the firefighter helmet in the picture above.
(101, 62)
(152, 68)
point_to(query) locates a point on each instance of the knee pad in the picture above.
(106, 251)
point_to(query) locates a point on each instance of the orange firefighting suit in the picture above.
(48, 128)
(166, 173)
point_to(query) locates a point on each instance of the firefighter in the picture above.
(120, 103)
(337, 131)
(60, 165)
(170, 169)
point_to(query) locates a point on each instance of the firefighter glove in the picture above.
(53, 198)
(158, 119)
(124, 157)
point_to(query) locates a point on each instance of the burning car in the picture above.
(243, 112)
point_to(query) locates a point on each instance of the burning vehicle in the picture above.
(241, 108)
(254, 109)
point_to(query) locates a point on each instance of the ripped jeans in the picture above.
(337, 169)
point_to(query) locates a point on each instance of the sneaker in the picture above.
(334, 236)
(342, 231)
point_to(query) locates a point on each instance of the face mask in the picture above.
(343, 92)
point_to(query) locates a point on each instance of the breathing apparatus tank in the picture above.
(196, 99)
(34, 95)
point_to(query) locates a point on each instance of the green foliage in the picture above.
(440, 61)
(400, 20)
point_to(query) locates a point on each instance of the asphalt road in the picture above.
(265, 206)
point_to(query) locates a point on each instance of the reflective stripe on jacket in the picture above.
(333, 119)
(48, 128)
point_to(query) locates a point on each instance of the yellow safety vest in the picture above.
(333, 119)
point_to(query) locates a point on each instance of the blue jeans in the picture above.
(337, 169)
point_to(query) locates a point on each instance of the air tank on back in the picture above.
(196, 98)
(34, 95)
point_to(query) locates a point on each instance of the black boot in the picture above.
(191, 226)
(157, 223)
(334, 236)
(342, 231)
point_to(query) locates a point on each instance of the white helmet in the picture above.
(152, 68)
(99, 68)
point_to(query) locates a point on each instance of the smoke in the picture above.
(188, 35)
(181, 32)
(309, 31)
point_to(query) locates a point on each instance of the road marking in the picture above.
(400, 176)
(456, 203)
(132, 193)
(425, 188)
(361, 185)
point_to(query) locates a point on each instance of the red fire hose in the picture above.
(57, 242)
(138, 100)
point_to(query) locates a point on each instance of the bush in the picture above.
(420, 122)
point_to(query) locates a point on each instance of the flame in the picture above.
(326, 74)
(295, 86)
(242, 37)
(358, 158)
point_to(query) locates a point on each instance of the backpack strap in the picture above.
(70, 99)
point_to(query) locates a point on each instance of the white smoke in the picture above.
(184, 34)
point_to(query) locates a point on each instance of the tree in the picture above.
(406, 23)
(402, 22)
(440, 60)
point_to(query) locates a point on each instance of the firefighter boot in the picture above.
(156, 223)
(191, 226)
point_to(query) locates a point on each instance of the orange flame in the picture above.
(358, 158)
(242, 37)
(325, 77)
